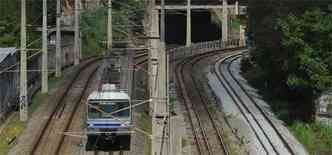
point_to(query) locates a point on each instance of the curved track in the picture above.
(207, 134)
(268, 137)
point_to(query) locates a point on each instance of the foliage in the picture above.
(305, 39)
(10, 21)
(10, 132)
(316, 137)
(235, 23)
(93, 28)
(94, 24)
(172, 104)
(291, 63)
(292, 54)
(14, 127)
(8, 24)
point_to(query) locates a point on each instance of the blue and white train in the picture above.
(108, 120)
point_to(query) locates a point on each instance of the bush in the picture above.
(316, 137)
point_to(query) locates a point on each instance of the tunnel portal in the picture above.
(203, 29)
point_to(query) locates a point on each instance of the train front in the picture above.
(108, 121)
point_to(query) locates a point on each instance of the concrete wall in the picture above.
(324, 104)
(8, 86)
(9, 82)
(67, 45)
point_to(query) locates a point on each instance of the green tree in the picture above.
(306, 40)
(292, 55)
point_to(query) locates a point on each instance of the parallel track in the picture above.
(203, 98)
(195, 110)
(247, 110)
(56, 117)
(60, 109)
(74, 112)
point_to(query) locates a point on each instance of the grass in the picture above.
(39, 97)
(8, 133)
(184, 142)
(146, 125)
(172, 101)
(316, 137)
(94, 30)
(235, 23)
(15, 127)
(212, 108)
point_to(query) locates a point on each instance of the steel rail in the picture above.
(286, 144)
(76, 107)
(219, 135)
(58, 105)
(190, 117)
(181, 87)
(140, 56)
(230, 90)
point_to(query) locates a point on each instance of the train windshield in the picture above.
(106, 108)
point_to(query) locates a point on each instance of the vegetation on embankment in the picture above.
(316, 137)
(126, 18)
(10, 20)
(292, 57)
(13, 127)
(291, 64)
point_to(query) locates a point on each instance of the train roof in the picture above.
(109, 95)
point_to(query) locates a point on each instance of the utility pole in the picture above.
(242, 41)
(153, 54)
(44, 50)
(58, 62)
(236, 7)
(109, 27)
(188, 43)
(224, 21)
(77, 33)
(130, 72)
(160, 117)
(23, 66)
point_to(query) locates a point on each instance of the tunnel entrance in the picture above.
(203, 29)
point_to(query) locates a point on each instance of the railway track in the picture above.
(269, 140)
(141, 58)
(52, 136)
(52, 139)
(140, 55)
(207, 134)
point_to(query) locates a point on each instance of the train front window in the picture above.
(104, 109)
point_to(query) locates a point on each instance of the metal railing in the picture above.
(202, 47)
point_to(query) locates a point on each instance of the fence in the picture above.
(202, 47)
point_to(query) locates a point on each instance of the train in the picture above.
(108, 120)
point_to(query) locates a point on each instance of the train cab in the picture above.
(108, 120)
